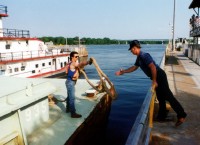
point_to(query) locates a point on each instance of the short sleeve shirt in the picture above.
(143, 60)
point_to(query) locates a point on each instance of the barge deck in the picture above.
(26, 118)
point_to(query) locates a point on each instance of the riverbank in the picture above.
(184, 81)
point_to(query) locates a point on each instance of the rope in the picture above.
(104, 80)
(93, 86)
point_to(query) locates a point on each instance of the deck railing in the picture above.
(3, 9)
(24, 55)
(15, 33)
(141, 130)
(195, 28)
(81, 49)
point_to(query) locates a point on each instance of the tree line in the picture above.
(94, 41)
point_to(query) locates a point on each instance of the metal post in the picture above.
(78, 42)
(12, 55)
(173, 43)
(170, 32)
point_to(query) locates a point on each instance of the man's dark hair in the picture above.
(134, 43)
(72, 54)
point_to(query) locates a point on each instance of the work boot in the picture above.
(180, 120)
(75, 115)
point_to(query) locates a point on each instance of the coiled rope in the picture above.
(105, 84)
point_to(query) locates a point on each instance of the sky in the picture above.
(115, 19)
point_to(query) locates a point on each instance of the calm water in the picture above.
(131, 88)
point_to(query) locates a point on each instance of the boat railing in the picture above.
(24, 55)
(3, 9)
(195, 32)
(81, 49)
(15, 33)
(141, 130)
(195, 28)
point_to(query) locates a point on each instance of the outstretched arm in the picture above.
(131, 69)
(82, 64)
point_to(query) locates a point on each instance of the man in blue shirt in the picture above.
(159, 82)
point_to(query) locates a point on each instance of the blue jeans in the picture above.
(70, 105)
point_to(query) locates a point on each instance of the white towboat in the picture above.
(23, 56)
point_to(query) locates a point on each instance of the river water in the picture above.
(131, 88)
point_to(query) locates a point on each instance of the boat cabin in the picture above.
(194, 47)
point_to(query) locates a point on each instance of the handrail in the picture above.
(151, 108)
(15, 33)
(3, 9)
(81, 49)
(141, 131)
(24, 55)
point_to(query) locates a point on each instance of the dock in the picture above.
(184, 81)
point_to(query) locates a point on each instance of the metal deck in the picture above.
(26, 117)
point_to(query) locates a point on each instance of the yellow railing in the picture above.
(151, 107)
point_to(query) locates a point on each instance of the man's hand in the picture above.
(120, 72)
(154, 85)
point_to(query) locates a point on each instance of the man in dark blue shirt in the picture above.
(159, 82)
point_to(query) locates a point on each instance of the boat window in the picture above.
(10, 71)
(22, 68)
(16, 69)
(36, 65)
(65, 63)
(2, 72)
(49, 63)
(33, 71)
(61, 64)
(43, 64)
(7, 46)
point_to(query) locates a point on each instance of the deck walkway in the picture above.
(184, 80)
